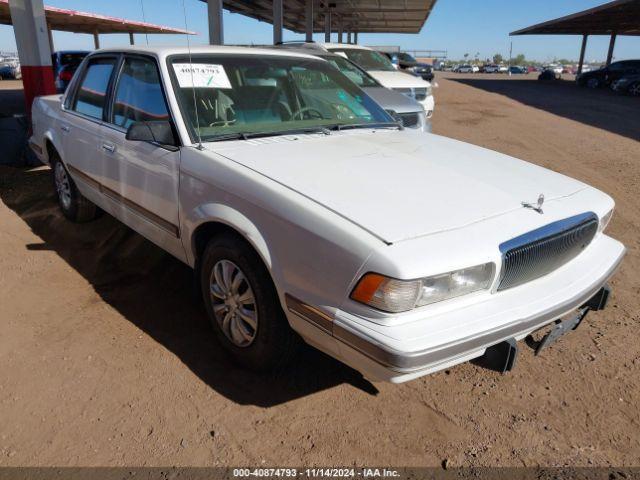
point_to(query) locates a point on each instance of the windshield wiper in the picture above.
(348, 126)
(248, 135)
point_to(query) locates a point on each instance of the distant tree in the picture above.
(466, 55)
(519, 60)
(497, 58)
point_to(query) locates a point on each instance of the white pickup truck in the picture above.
(306, 212)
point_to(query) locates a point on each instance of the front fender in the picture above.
(219, 213)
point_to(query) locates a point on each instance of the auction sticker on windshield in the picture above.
(201, 75)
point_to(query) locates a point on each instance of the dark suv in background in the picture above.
(65, 63)
(406, 62)
(604, 77)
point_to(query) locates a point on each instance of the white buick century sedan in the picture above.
(307, 212)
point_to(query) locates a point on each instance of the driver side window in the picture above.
(138, 96)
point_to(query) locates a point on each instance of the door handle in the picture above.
(64, 128)
(108, 148)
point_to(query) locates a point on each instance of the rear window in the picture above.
(71, 58)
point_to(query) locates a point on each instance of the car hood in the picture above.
(392, 100)
(396, 185)
(398, 79)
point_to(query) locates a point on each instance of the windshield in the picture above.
(251, 94)
(367, 59)
(405, 57)
(352, 71)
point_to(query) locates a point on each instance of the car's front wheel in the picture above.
(73, 204)
(243, 306)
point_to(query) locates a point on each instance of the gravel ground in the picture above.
(107, 360)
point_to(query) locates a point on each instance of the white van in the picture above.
(381, 68)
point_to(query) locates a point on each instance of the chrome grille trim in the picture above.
(545, 249)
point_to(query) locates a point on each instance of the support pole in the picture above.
(349, 36)
(583, 49)
(327, 26)
(355, 37)
(216, 27)
(50, 34)
(32, 40)
(340, 31)
(96, 40)
(277, 22)
(309, 21)
(131, 39)
(612, 44)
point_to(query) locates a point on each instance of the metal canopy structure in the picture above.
(328, 16)
(91, 23)
(620, 17)
(364, 16)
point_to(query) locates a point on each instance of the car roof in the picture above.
(210, 49)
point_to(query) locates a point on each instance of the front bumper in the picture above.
(403, 352)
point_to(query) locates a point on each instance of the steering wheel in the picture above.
(312, 111)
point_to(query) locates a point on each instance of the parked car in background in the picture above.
(492, 68)
(554, 67)
(400, 106)
(518, 70)
(65, 64)
(604, 77)
(407, 63)
(379, 67)
(503, 69)
(307, 212)
(10, 68)
(629, 84)
(467, 68)
(549, 74)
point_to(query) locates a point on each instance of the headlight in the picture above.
(429, 90)
(604, 221)
(395, 296)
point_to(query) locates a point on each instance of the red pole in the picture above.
(32, 39)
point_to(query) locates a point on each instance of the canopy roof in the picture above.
(364, 16)
(82, 22)
(621, 17)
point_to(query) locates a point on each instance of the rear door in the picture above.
(141, 177)
(82, 119)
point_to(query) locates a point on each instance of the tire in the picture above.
(634, 89)
(593, 82)
(73, 204)
(265, 343)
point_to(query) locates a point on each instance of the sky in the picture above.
(458, 26)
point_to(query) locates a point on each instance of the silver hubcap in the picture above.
(635, 90)
(234, 304)
(63, 188)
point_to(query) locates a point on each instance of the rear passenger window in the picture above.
(92, 93)
(139, 95)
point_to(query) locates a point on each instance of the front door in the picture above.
(142, 177)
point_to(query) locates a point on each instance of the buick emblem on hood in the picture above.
(537, 207)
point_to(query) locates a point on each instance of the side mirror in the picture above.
(160, 132)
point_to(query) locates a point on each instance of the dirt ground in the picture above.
(107, 360)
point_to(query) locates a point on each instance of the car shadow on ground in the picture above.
(11, 101)
(155, 292)
(601, 108)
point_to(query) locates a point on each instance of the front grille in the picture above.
(542, 251)
(410, 120)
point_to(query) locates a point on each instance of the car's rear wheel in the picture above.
(73, 204)
(634, 89)
(593, 83)
(243, 305)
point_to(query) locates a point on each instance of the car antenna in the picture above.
(193, 85)
(146, 34)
